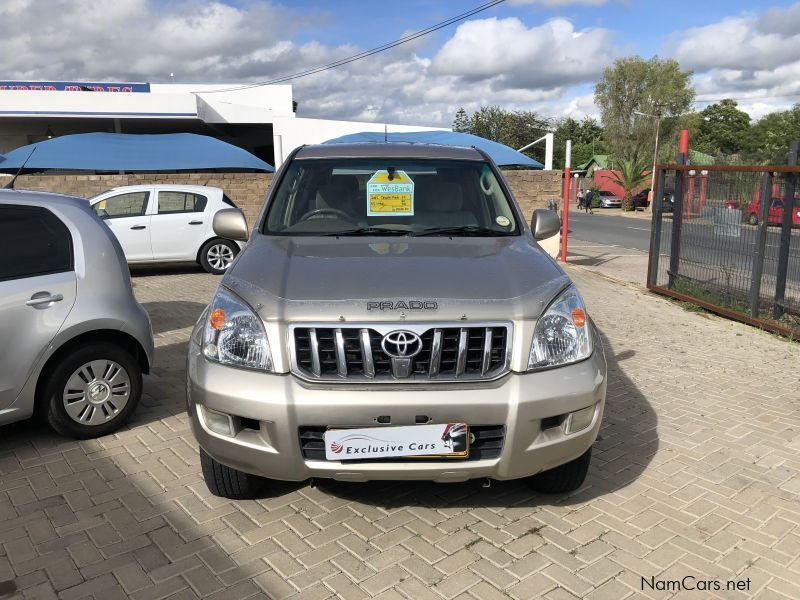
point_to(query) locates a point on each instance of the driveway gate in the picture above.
(718, 244)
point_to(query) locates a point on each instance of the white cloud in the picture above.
(135, 39)
(513, 55)
(753, 59)
(485, 61)
(581, 106)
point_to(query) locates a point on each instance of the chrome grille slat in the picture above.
(436, 353)
(353, 352)
(341, 359)
(315, 366)
(487, 350)
(461, 362)
(366, 354)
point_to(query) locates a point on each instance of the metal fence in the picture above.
(717, 243)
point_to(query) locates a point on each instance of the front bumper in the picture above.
(276, 406)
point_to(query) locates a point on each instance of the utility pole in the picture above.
(657, 117)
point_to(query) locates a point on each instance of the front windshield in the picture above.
(389, 197)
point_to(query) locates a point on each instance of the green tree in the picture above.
(490, 122)
(631, 176)
(768, 139)
(721, 129)
(633, 84)
(512, 128)
(461, 122)
(586, 136)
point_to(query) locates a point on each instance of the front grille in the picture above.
(448, 353)
(486, 441)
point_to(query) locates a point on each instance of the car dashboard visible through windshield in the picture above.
(327, 197)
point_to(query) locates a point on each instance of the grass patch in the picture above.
(728, 301)
(690, 287)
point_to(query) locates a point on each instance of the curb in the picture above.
(623, 282)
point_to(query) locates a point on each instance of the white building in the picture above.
(260, 119)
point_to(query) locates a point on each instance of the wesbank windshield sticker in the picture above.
(390, 195)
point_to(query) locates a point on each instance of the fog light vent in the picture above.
(250, 423)
(550, 422)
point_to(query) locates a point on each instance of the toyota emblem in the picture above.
(401, 344)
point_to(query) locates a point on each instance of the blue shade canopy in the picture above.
(129, 152)
(501, 154)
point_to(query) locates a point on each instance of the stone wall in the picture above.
(247, 190)
(531, 188)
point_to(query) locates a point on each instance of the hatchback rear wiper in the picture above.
(369, 231)
(462, 230)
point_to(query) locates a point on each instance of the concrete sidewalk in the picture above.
(695, 475)
(616, 262)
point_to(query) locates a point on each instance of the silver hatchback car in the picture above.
(75, 342)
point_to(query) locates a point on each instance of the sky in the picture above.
(542, 55)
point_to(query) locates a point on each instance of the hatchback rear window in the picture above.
(35, 242)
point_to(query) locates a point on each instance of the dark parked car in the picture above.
(642, 199)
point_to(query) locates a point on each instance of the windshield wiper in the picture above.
(369, 231)
(465, 230)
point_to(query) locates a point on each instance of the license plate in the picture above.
(449, 440)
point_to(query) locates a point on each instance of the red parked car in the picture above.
(775, 212)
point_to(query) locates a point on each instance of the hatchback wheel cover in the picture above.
(97, 392)
(219, 256)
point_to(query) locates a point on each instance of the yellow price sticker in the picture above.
(390, 203)
(390, 197)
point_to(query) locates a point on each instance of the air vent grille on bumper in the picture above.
(486, 443)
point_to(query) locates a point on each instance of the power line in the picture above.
(365, 53)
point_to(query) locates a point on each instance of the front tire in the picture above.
(227, 482)
(93, 391)
(565, 478)
(217, 255)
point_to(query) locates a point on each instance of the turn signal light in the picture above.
(578, 317)
(217, 318)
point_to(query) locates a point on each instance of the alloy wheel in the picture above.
(219, 256)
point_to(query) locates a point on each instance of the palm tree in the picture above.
(631, 176)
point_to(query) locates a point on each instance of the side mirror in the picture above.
(231, 224)
(544, 223)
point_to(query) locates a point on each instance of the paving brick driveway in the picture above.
(696, 473)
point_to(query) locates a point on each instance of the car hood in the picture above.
(466, 277)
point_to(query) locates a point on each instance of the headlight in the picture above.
(562, 333)
(234, 335)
